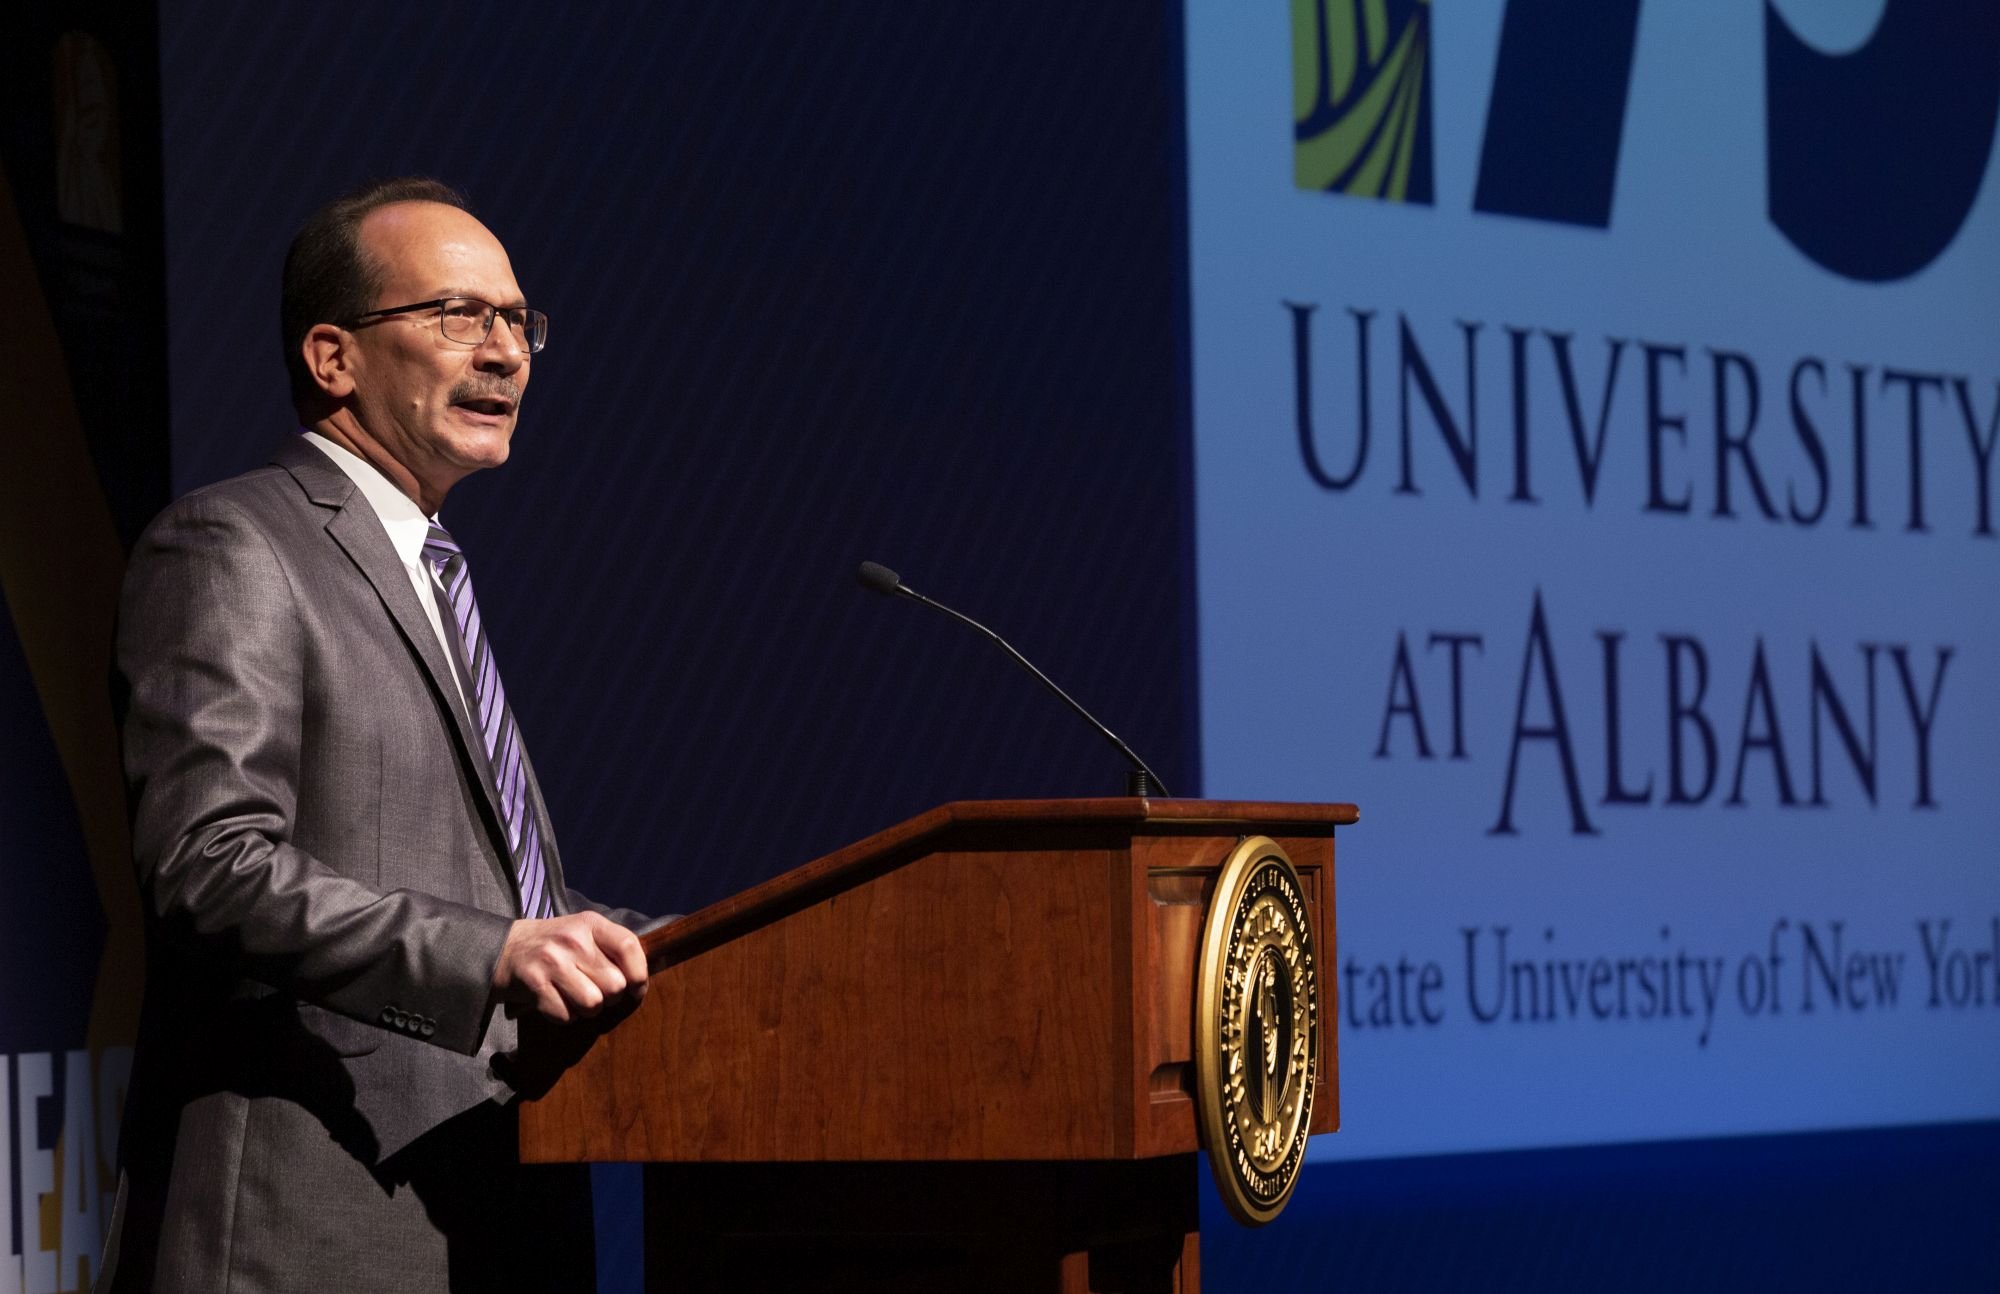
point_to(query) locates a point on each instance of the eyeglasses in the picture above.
(467, 320)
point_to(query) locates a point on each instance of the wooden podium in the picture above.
(957, 1055)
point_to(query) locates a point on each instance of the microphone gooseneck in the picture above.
(1141, 780)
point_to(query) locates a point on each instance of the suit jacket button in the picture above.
(430, 1027)
(402, 1019)
(388, 1015)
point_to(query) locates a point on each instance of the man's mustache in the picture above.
(492, 388)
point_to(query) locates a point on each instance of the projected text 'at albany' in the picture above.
(1721, 708)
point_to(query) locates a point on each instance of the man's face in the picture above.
(441, 408)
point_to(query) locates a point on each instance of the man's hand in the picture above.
(570, 966)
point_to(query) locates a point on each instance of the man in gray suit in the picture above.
(351, 887)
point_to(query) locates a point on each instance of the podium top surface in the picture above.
(723, 919)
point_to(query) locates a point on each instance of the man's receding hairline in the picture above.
(374, 272)
(361, 226)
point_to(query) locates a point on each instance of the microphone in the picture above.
(1140, 779)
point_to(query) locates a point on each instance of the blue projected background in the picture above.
(1575, 494)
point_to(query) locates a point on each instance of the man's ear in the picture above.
(329, 359)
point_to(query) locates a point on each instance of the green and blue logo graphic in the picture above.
(1361, 97)
(1874, 155)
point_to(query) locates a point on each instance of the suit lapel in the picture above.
(355, 528)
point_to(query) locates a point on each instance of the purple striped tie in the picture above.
(495, 721)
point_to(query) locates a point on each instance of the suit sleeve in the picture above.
(212, 658)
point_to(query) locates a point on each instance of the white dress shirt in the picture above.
(408, 527)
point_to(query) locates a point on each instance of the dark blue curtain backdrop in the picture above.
(904, 282)
(826, 283)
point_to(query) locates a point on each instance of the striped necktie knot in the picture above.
(440, 549)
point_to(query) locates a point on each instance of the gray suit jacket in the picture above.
(326, 888)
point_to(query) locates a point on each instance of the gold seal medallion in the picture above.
(1257, 1030)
